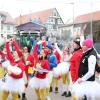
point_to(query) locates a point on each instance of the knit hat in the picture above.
(88, 43)
(77, 41)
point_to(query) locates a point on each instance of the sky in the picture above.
(68, 9)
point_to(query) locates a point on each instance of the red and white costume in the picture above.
(14, 82)
(40, 81)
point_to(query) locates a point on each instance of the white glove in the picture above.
(40, 42)
(6, 63)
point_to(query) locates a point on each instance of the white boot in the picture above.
(64, 90)
(65, 87)
(48, 98)
(99, 77)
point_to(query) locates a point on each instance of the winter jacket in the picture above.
(53, 61)
(75, 63)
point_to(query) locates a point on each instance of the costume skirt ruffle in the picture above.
(88, 88)
(12, 85)
(62, 68)
(38, 83)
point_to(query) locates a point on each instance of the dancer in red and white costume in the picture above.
(40, 81)
(14, 82)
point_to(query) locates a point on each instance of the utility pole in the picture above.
(91, 20)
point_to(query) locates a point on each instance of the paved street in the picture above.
(54, 96)
(32, 96)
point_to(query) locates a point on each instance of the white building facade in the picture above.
(65, 32)
(7, 25)
(53, 22)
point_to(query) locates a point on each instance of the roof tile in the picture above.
(9, 19)
(95, 16)
(42, 15)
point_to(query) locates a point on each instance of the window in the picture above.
(52, 20)
(3, 18)
(55, 14)
(5, 32)
(96, 36)
(1, 27)
(8, 27)
(48, 20)
(59, 21)
(50, 27)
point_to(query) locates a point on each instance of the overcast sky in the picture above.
(64, 7)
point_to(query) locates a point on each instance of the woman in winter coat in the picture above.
(75, 60)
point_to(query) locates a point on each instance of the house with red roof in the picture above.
(7, 24)
(88, 25)
(49, 18)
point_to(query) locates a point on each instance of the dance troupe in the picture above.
(49, 65)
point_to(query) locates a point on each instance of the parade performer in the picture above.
(14, 82)
(65, 71)
(86, 86)
(40, 81)
(75, 60)
(53, 63)
(2, 69)
(2, 75)
(27, 58)
(56, 52)
(29, 62)
(62, 70)
(23, 55)
(58, 56)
